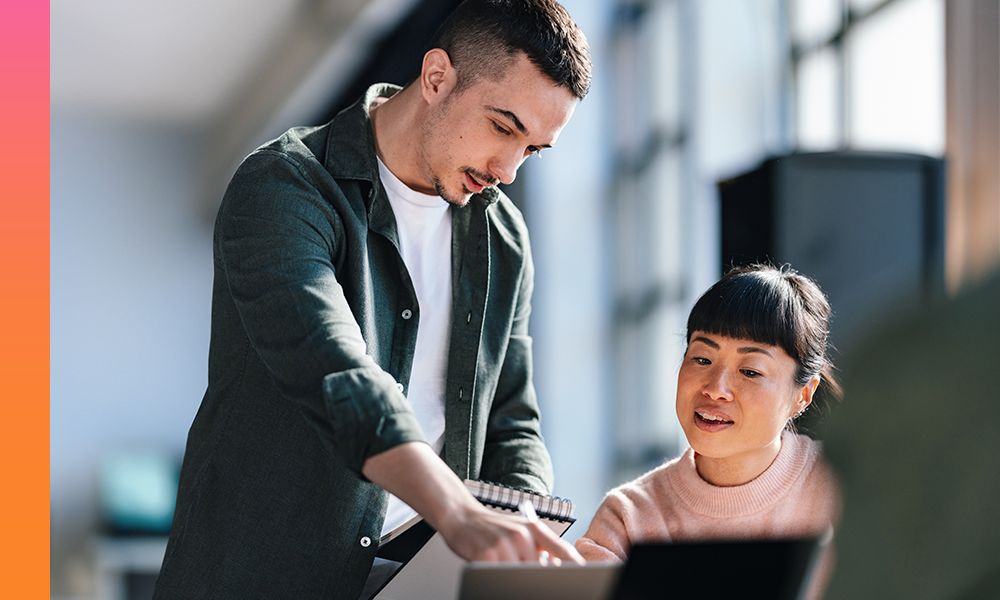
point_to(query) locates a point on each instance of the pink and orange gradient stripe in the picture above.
(24, 299)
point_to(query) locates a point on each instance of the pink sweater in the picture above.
(795, 496)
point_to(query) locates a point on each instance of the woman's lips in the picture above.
(712, 421)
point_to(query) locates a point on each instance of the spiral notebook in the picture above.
(429, 569)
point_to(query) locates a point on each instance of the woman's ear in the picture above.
(806, 395)
(437, 76)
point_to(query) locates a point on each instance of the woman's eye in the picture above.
(750, 373)
(500, 129)
(699, 360)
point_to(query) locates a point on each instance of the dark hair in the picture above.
(779, 307)
(482, 37)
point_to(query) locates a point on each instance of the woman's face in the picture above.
(734, 396)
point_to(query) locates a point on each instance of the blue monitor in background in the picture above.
(137, 492)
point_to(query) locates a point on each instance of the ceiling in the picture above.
(188, 62)
(231, 73)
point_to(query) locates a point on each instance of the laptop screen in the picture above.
(775, 569)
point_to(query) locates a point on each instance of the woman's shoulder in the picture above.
(818, 479)
(801, 451)
(651, 486)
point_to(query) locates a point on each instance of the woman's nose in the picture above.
(717, 385)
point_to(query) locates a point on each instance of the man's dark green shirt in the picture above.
(314, 324)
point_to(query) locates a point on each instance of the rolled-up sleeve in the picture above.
(276, 237)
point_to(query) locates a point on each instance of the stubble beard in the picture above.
(432, 126)
(440, 190)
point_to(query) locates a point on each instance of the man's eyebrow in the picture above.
(513, 118)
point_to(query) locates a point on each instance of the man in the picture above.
(370, 324)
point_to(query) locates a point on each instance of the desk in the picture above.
(116, 557)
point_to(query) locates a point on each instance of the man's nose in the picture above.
(504, 167)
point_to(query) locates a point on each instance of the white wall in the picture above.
(131, 270)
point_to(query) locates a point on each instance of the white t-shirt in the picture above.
(424, 226)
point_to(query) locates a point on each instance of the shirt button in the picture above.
(406, 314)
(399, 386)
(366, 541)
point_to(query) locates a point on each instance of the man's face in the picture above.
(479, 136)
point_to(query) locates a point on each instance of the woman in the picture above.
(756, 355)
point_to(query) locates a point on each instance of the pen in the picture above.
(527, 510)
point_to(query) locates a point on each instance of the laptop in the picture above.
(779, 569)
(527, 581)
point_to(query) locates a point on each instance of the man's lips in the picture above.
(475, 182)
(472, 184)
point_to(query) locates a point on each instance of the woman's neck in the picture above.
(737, 469)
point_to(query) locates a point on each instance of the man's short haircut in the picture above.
(482, 38)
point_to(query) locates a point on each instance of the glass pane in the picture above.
(815, 20)
(627, 250)
(896, 79)
(666, 217)
(646, 232)
(662, 32)
(627, 407)
(667, 331)
(816, 94)
(649, 355)
(863, 6)
(630, 90)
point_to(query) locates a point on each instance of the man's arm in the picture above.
(418, 476)
(275, 238)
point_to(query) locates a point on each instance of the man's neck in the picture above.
(397, 136)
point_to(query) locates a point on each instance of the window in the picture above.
(649, 215)
(868, 74)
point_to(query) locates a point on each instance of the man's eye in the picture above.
(534, 150)
(500, 129)
(750, 373)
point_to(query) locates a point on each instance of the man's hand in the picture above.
(420, 478)
(478, 533)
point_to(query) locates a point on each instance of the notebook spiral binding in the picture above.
(504, 496)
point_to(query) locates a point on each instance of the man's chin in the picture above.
(456, 200)
(452, 199)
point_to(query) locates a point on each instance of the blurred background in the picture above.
(858, 140)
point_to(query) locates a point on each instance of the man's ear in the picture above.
(437, 76)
